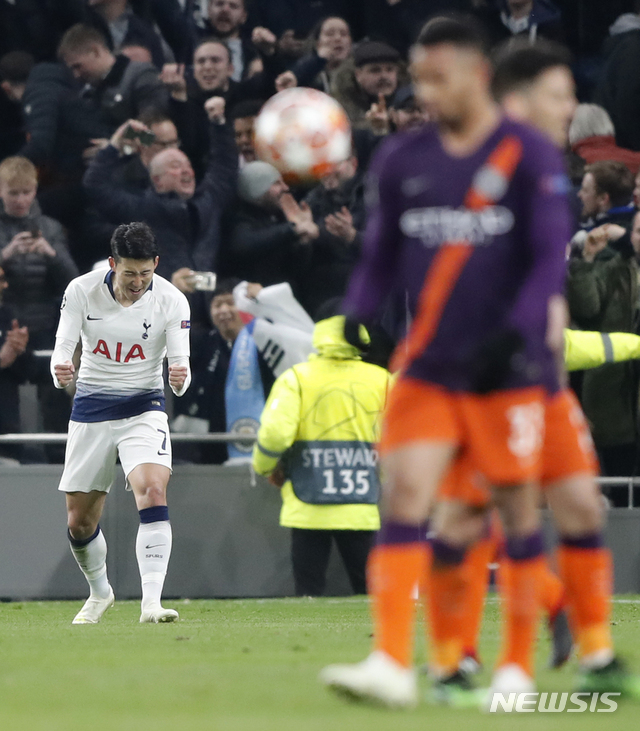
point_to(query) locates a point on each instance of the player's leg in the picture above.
(145, 452)
(520, 577)
(396, 563)
(154, 540)
(395, 566)
(587, 572)
(420, 435)
(505, 442)
(585, 565)
(89, 548)
(554, 606)
(90, 459)
(310, 553)
(456, 525)
(479, 558)
(584, 562)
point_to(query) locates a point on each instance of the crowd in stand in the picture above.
(121, 110)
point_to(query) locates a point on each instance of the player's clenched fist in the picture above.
(177, 376)
(64, 372)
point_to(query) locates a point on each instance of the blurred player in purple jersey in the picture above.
(534, 84)
(468, 216)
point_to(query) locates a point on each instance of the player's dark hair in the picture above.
(457, 30)
(133, 241)
(518, 64)
(225, 286)
(614, 178)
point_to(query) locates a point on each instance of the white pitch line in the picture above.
(626, 601)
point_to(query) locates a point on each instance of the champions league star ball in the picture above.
(303, 133)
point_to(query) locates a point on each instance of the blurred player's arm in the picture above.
(583, 350)
(278, 424)
(67, 336)
(177, 334)
(375, 273)
(548, 221)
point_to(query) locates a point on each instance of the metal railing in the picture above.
(217, 437)
(44, 438)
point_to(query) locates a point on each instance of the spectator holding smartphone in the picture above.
(38, 267)
(185, 217)
(33, 252)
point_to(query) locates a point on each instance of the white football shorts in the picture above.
(92, 450)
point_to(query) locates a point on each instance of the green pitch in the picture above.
(234, 666)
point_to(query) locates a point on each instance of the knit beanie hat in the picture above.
(255, 179)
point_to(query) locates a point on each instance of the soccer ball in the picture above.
(304, 133)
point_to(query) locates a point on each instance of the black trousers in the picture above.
(310, 552)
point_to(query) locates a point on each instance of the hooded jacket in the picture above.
(36, 281)
(321, 422)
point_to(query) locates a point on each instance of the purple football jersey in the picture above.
(416, 196)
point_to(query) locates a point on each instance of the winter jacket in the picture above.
(603, 147)
(36, 281)
(354, 99)
(603, 296)
(58, 121)
(61, 117)
(332, 259)
(127, 90)
(262, 246)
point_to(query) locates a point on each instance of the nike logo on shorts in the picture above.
(93, 318)
(155, 545)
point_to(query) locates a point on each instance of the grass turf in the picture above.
(235, 666)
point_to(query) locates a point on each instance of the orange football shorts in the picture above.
(500, 432)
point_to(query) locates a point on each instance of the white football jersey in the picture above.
(123, 348)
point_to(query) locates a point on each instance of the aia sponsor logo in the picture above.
(135, 351)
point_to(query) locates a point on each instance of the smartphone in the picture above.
(145, 137)
(33, 230)
(204, 281)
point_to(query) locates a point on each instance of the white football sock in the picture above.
(153, 548)
(92, 560)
